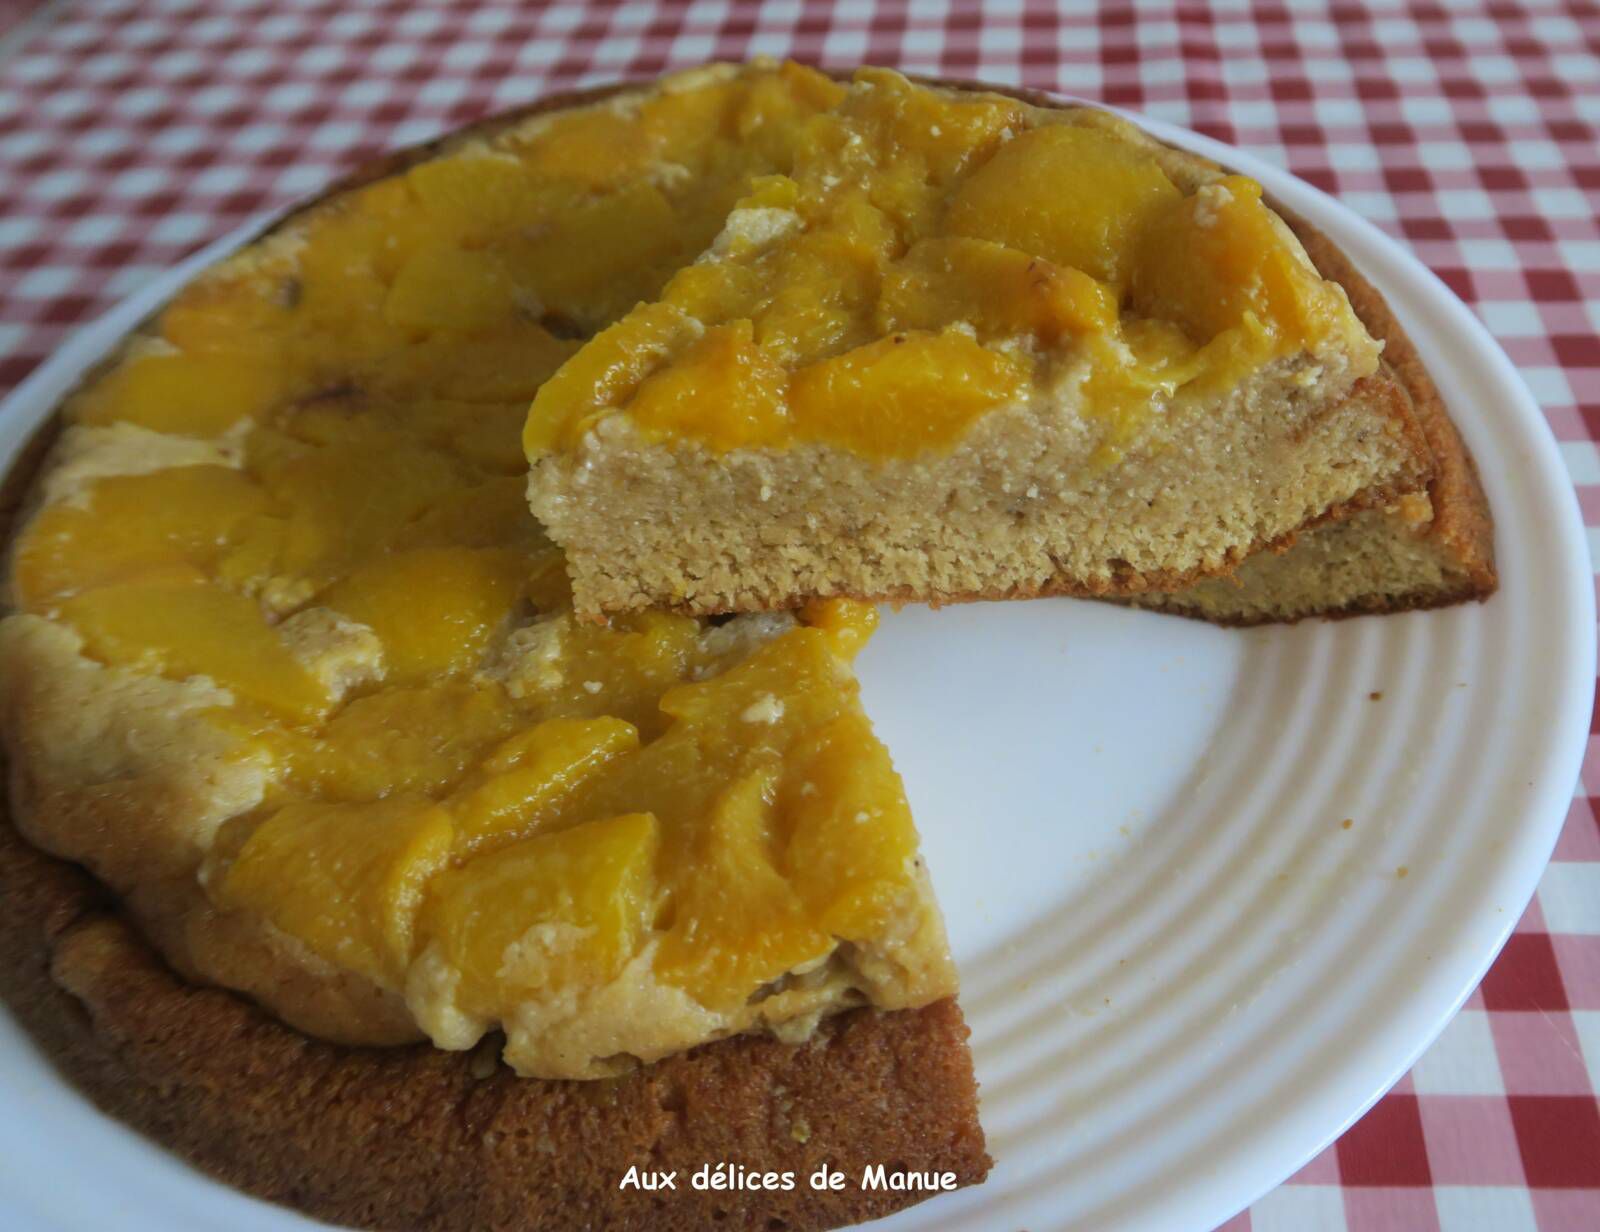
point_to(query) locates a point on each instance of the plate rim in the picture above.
(1382, 258)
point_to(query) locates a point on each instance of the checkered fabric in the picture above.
(131, 131)
(14, 12)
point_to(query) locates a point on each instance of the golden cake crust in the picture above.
(1462, 522)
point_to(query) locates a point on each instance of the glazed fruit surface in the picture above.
(305, 486)
(911, 259)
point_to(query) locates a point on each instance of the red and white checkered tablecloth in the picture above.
(132, 131)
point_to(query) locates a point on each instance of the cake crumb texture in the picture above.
(1427, 550)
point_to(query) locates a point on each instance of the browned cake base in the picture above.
(420, 1139)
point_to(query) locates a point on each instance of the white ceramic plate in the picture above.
(1184, 977)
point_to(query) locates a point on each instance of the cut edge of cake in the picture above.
(673, 524)
(689, 535)
(1429, 550)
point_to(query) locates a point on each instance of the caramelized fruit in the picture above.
(1049, 239)
(457, 765)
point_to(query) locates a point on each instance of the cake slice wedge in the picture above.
(967, 346)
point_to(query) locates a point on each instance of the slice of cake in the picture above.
(1428, 549)
(963, 346)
